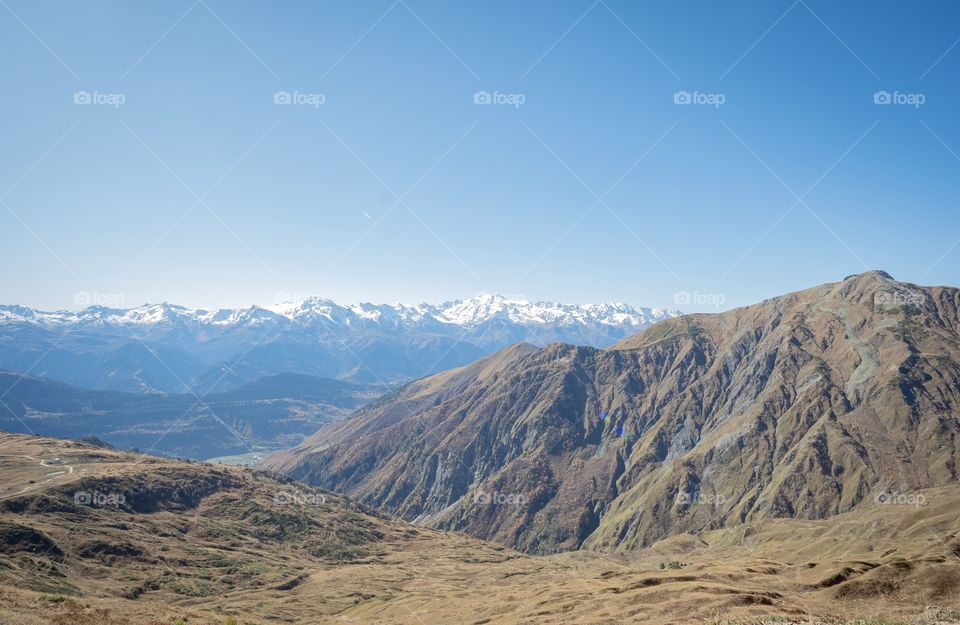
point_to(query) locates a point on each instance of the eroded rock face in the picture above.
(805, 406)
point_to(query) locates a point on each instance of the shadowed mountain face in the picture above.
(806, 405)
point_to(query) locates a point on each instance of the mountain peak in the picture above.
(871, 274)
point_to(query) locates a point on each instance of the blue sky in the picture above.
(182, 180)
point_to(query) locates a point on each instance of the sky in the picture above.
(698, 154)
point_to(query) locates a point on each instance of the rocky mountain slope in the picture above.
(168, 348)
(804, 406)
(92, 536)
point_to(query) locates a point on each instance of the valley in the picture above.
(255, 419)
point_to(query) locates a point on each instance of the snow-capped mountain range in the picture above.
(166, 348)
(472, 312)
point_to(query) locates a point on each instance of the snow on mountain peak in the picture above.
(472, 312)
(485, 307)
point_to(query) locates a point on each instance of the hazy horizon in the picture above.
(86, 299)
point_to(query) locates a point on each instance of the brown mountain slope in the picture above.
(806, 406)
(97, 537)
(416, 396)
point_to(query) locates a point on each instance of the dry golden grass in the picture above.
(231, 551)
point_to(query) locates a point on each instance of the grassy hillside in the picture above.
(90, 536)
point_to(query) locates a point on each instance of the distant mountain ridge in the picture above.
(170, 348)
(316, 310)
(271, 413)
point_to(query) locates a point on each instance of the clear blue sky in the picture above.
(104, 199)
